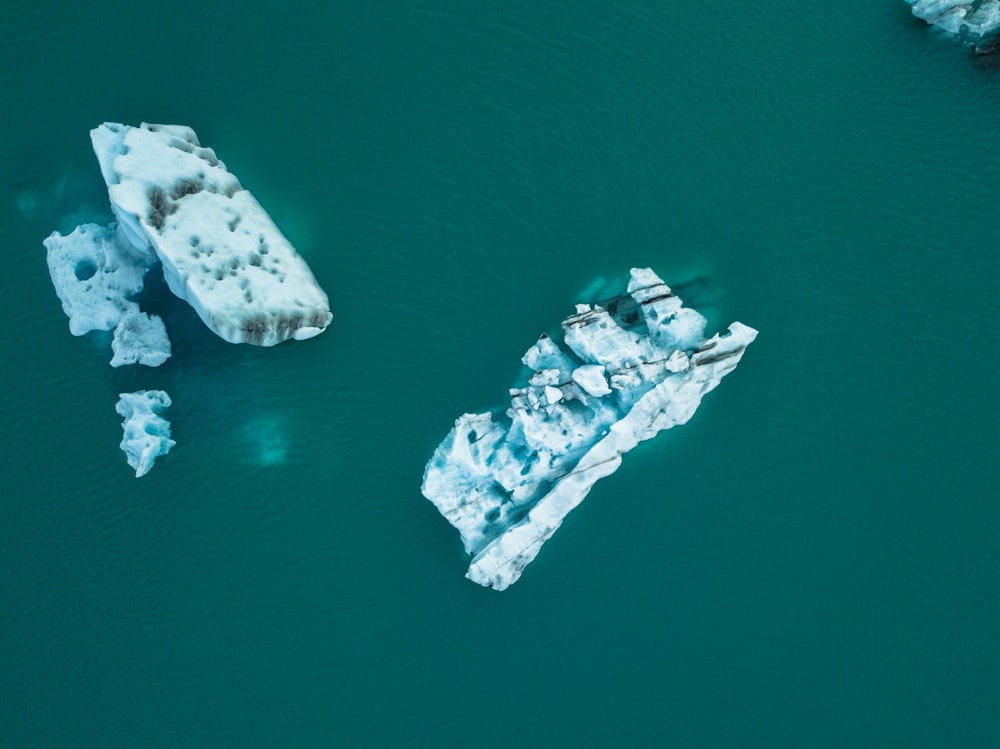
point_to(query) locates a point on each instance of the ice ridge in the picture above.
(630, 368)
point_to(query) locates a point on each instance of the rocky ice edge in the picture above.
(221, 252)
(147, 433)
(974, 25)
(636, 366)
(96, 273)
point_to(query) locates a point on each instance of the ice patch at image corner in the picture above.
(264, 441)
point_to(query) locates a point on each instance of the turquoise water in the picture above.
(810, 562)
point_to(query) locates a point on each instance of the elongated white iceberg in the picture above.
(146, 432)
(96, 273)
(634, 366)
(220, 250)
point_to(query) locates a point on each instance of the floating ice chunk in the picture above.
(591, 378)
(545, 354)
(221, 252)
(506, 480)
(976, 23)
(670, 325)
(96, 273)
(596, 338)
(140, 338)
(147, 434)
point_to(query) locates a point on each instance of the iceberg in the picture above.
(96, 273)
(147, 433)
(630, 368)
(175, 201)
(976, 23)
(176, 205)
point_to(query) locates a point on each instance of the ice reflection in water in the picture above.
(265, 440)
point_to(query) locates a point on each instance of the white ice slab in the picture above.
(221, 251)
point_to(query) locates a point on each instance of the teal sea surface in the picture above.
(812, 561)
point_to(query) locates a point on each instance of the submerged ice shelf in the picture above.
(221, 252)
(636, 366)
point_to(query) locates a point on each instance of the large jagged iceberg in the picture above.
(146, 432)
(96, 274)
(221, 252)
(636, 365)
(976, 23)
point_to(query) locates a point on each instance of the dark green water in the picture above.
(812, 561)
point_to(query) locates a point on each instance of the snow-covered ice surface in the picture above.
(221, 251)
(96, 272)
(629, 369)
(147, 433)
(976, 23)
